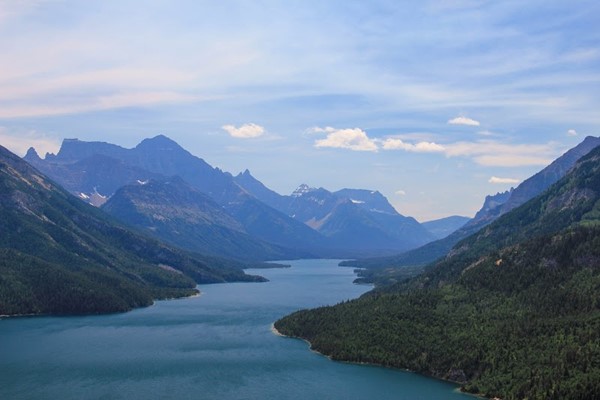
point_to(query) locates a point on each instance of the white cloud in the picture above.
(400, 193)
(495, 179)
(463, 121)
(571, 132)
(352, 138)
(484, 152)
(246, 131)
(496, 154)
(19, 142)
(420, 147)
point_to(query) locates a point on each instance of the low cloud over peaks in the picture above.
(571, 132)
(246, 131)
(463, 121)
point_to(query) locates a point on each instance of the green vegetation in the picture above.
(525, 327)
(513, 311)
(59, 255)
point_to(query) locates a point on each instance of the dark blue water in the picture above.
(215, 346)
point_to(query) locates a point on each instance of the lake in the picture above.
(218, 345)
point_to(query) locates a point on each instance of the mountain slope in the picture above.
(356, 222)
(268, 224)
(162, 158)
(443, 227)
(62, 256)
(493, 207)
(173, 211)
(257, 189)
(97, 175)
(512, 312)
(370, 200)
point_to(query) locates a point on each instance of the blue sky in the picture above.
(435, 104)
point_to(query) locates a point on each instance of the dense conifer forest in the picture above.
(513, 311)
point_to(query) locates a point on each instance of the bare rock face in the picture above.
(456, 375)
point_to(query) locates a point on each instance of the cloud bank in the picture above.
(490, 153)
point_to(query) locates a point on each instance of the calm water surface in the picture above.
(215, 346)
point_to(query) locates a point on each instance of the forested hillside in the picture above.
(59, 255)
(513, 311)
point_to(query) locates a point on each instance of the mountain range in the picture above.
(308, 223)
(355, 218)
(59, 255)
(509, 308)
(513, 310)
(196, 223)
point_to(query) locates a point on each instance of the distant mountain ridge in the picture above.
(354, 218)
(195, 223)
(494, 207)
(159, 155)
(312, 222)
(161, 158)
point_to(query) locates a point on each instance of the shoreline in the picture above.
(197, 294)
(7, 316)
(457, 389)
(277, 333)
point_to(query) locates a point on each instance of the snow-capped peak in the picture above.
(302, 189)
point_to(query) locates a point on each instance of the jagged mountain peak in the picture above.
(31, 155)
(302, 189)
(245, 174)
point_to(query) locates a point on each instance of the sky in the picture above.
(436, 104)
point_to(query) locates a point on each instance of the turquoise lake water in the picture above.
(215, 346)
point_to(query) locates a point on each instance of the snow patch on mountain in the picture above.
(302, 190)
